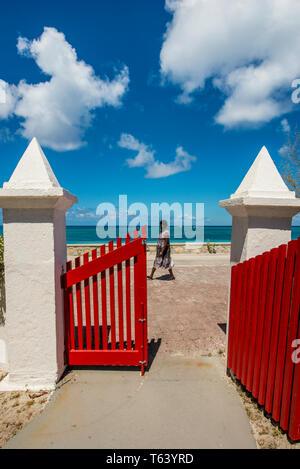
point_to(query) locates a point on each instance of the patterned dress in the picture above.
(163, 261)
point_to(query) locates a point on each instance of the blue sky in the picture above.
(164, 90)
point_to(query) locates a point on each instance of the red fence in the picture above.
(106, 306)
(264, 332)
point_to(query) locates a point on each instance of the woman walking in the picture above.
(163, 258)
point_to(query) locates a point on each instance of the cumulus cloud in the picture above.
(286, 128)
(154, 168)
(248, 49)
(58, 111)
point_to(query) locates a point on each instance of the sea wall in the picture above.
(178, 248)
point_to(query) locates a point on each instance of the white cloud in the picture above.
(59, 110)
(250, 49)
(285, 126)
(154, 168)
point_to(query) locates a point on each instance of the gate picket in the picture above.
(87, 307)
(283, 329)
(282, 250)
(112, 301)
(120, 300)
(292, 336)
(96, 306)
(267, 326)
(128, 300)
(104, 304)
(261, 321)
(79, 309)
(253, 323)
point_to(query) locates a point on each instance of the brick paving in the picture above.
(189, 314)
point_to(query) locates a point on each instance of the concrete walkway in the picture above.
(180, 403)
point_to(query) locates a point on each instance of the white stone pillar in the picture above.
(34, 207)
(262, 209)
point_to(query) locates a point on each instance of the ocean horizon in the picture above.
(80, 234)
(214, 234)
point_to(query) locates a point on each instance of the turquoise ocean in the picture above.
(215, 234)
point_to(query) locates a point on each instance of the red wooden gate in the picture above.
(113, 283)
(264, 332)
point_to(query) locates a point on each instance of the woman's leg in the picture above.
(171, 274)
(152, 273)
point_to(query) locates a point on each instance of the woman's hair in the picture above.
(164, 224)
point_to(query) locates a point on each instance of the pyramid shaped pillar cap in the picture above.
(262, 192)
(33, 178)
(263, 180)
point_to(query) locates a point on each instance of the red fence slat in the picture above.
(236, 330)
(267, 326)
(96, 306)
(241, 342)
(253, 321)
(87, 307)
(120, 301)
(112, 301)
(282, 250)
(232, 317)
(248, 316)
(260, 323)
(79, 309)
(292, 336)
(104, 304)
(283, 329)
(128, 300)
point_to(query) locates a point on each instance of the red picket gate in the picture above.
(264, 332)
(118, 335)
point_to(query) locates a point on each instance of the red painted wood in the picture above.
(260, 323)
(232, 314)
(267, 326)
(104, 357)
(282, 252)
(135, 249)
(137, 304)
(135, 234)
(261, 346)
(144, 232)
(120, 301)
(144, 314)
(248, 316)
(242, 331)
(96, 306)
(292, 336)
(294, 424)
(283, 330)
(67, 316)
(128, 300)
(112, 301)
(104, 262)
(104, 304)
(236, 331)
(79, 308)
(87, 307)
(253, 321)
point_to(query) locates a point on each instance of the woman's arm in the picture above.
(164, 246)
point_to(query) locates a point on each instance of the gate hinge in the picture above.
(142, 363)
(143, 320)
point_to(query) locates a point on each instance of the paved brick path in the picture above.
(189, 314)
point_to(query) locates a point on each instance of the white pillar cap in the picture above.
(33, 179)
(262, 186)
